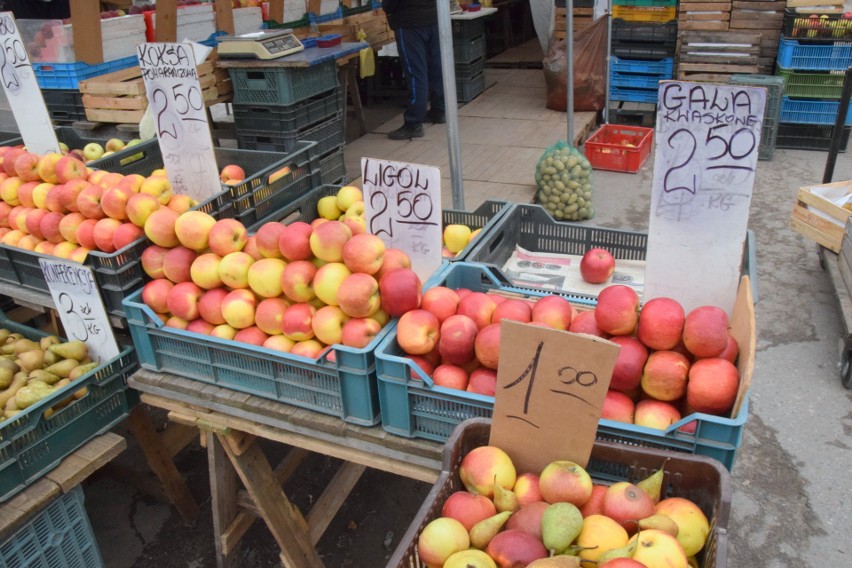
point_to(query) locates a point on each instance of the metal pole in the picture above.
(608, 60)
(569, 41)
(448, 70)
(839, 122)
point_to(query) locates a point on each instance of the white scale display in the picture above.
(260, 45)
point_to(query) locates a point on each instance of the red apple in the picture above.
(597, 266)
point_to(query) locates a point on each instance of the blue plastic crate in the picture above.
(636, 81)
(336, 15)
(413, 406)
(663, 67)
(58, 536)
(633, 95)
(69, 75)
(798, 56)
(32, 444)
(820, 111)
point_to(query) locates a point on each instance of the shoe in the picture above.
(406, 132)
(437, 116)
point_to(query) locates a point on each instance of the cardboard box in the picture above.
(819, 212)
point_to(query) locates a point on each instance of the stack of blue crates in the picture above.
(643, 49)
(813, 55)
(275, 108)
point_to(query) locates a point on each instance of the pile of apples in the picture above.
(54, 204)
(295, 288)
(559, 518)
(456, 238)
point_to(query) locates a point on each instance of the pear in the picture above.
(505, 499)
(76, 350)
(31, 360)
(8, 348)
(13, 337)
(63, 368)
(660, 522)
(560, 561)
(4, 333)
(18, 381)
(81, 393)
(6, 377)
(43, 376)
(46, 342)
(50, 358)
(81, 370)
(653, 484)
(561, 523)
(482, 532)
(9, 364)
(11, 413)
(625, 551)
(23, 345)
(33, 392)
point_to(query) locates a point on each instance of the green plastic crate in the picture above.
(814, 85)
(31, 445)
(775, 89)
(333, 168)
(58, 536)
(282, 86)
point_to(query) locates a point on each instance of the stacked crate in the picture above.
(772, 111)
(705, 15)
(765, 17)
(469, 54)
(583, 14)
(814, 52)
(644, 34)
(275, 108)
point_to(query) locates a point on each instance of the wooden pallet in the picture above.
(119, 97)
(757, 15)
(582, 20)
(704, 15)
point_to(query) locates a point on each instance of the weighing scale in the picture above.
(260, 45)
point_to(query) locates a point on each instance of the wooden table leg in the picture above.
(284, 520)
(223, 495)
(160, 461)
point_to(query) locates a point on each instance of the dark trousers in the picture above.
(420, 53)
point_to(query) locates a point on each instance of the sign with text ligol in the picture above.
(402, 206)
(707, 140)
(22, 90)
(177, 106)
(551, 385)
(81, 308)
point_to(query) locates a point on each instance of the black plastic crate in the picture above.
(7, 136)
(288, 117)
(469, 89)
(645, 32)
(820, 28)
(64, 105)
(466, 71)
(328, 135)
(282, 86)
(469, 50)
(468, 29)
(809, 136)
(333, 168)
(642, 50)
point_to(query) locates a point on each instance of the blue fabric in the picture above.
(420, 54)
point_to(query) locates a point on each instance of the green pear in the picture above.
(482, 532)
(33, 392)
(31, 360)
(660, 522)
(76, 350)
(625, 551)
(561, 523)
(46, 342)
(50, 358)
(653, 484)
(4, 333)
(505, 499)
(6, 377)
(63, 368)
(23, 345)
(559, 561)
(43, 376)
(81, 370)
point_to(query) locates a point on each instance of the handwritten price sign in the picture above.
(550, 388)
(402, 205)
(81, 309)
(22, 90)
(180, 118)
(707, 145)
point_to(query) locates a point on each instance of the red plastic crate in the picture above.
(619, 148)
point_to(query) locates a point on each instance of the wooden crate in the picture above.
(704, 15)
(119, 97)
(820, 219)
(717, 53)
(374, 24)
(582, 20)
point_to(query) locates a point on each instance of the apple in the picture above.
(514, 310)
(597, 266)
(693, 526)
(29, 242)
(440, 539)
(478, 306)
(553, 311)
(85, 234)
(227, 236)
(661, 323)
(232, 174)
(68, 193)
(114, 202)
(110, 180)
(139, 207)
(279, 343)
(346, 196)
(513, 547)
(40, 193)
(33, 222)
(327, 208)
(364, 253)
(44, 247)
(483, 467)
(192, 229)
(359, 332)
(664, 376)
(629, 363)
(598, 535)
(528, 518)
(450, 376)
(12, 238)
(328, 280)
(456, 237)
(104, 234)
(713, 385)
(234, 269)
(705, 331)
(625, 504)
(565, 481)
(441, 301)
(69, 168)
(46, 167)
(113, 145)
(393, 259)
(297, 322)
(160, 227)
(358, 295)
(238, 308)
(25, 193)
(657, 414)
(617, 406)
(251, 335)
(483, 381)
(181, 202)
(458, 333)
(264, 277)
(294, 241)
(93, 151)
(177, 265)
(310, 348)
(89, 202)
(617, 311)
(400, 291)
(26, 166)
(210, 306)
(487, 345)
(268, 237)
(327, 240)
(155, 295)
(296, 281)
(159, 187)
(468, 508)
(50, 227)
(126, 234)
(418, 332)
(9, 158)
(659, 548)
(327, 324)
(152, 259)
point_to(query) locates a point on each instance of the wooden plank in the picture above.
(114, 116)
(704, 16)
(283, 519)
(115, 103)
(717, 68)
(335, 494)
(804, 223)
(85, 461)
(716, 37)
(747, 25)
(175, 437)
(703, 26)
(746, 5)
(223, 497)
(705, 77)
(705, 7)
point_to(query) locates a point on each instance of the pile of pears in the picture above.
(33, 370)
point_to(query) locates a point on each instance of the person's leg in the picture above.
(436, 79)
(414, 59)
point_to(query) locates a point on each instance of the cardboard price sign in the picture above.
(402, 204)
(707, 145)
(550, 388)
(81, 308)
(22, 90)
(180, 118)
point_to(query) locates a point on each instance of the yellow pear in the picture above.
(76, 350)
(63, 368)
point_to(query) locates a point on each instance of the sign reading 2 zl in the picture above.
(180, 118)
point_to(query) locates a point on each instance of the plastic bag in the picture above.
(564, 179)
(589, 70)
(366, 58)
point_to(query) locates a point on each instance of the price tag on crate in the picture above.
(177, 106)
(550, 388)
(22, 90)
(402, 205)
(707, 144)
(81, 309)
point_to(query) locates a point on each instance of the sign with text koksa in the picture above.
(402, 205)
(180, 118)
(22, 90)
(707, 145)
